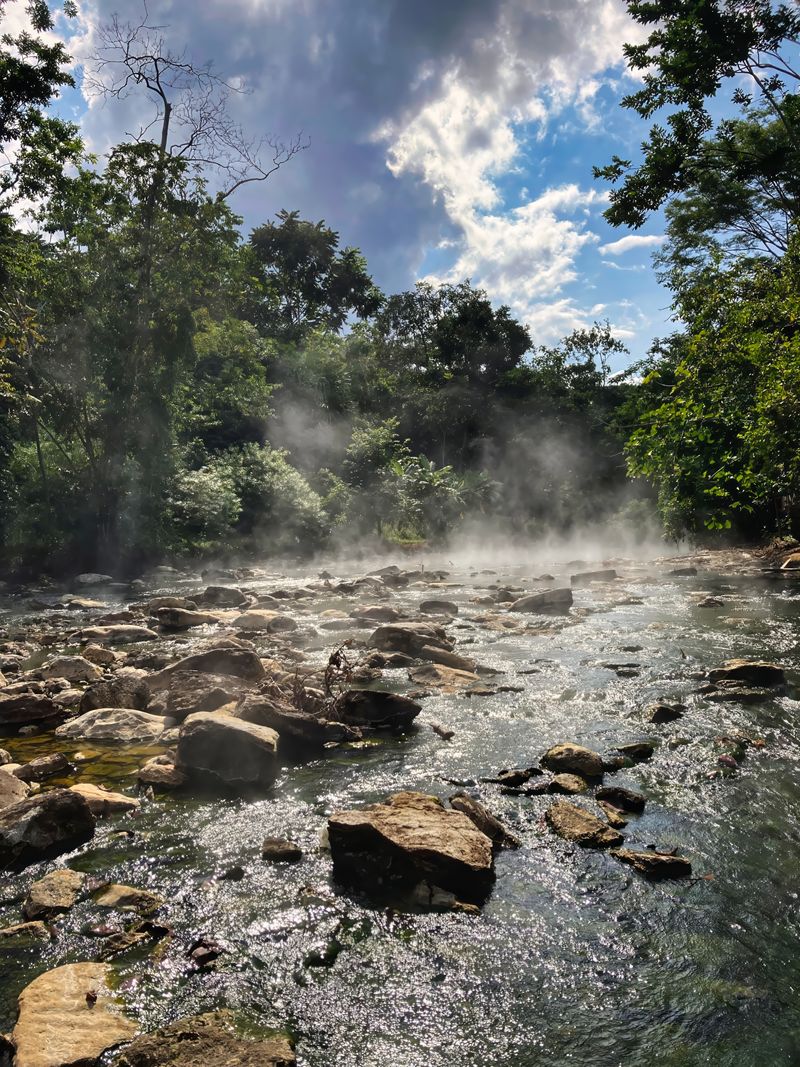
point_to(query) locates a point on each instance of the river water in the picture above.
(574, 958)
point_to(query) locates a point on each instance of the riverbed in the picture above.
(574, 958)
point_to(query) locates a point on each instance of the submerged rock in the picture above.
(654, 865)
(68, 1017)
(579, 825)
(43, 826)
(205, 1040)
(114, 724)
(271, 622)
(175, 618)
(212, 745)
(637, 751)
(53, 894)
(574, 759)
(411, 838)
(568, 784)
(438, 607)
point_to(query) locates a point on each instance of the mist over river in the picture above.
(575, 957)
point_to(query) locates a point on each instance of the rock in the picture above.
(12, 788)
(232, 662)
(264, 621)
(5, 757)
(409, 637)
(221, 596)
(127, 898)
(183, 618)
(749, 672)
(568, 784)
(438, 607)
(543, 602)
(614, 815)
(161, 773)
(234, 752)
(43, 826)
(44, 767)
(573, 759)
(36, 930)
(637, 751)
(487, 823)
(127, 689)
(375, 710)
(90, 578)
(22, 709)
(587, 577)
(710, 602)
(80, 603)
(576, 824)
(619, 797)
(102, 801)
(376, 613)
(447, 659)
(410, 838)
(278, 850)
(448, 679)
(205, 1040)
(791, 563)
(114, 724)
(73, 668)
(683, 572)
(660, 713)
(68, 1017)
(117, 634)
(654, 865)
(53, 894)
(193, 691)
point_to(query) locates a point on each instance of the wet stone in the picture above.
(654, 865)
(280, 850)
(579, 825)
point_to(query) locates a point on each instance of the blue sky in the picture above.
(447, 139)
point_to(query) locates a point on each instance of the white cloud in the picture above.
(632, 243)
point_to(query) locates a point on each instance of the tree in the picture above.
(307, 281)
(693, 48)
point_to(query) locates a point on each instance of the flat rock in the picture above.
(573, 759)
(36, 930)
(654, 865)
(127, 898)
(58, 1027)
(205, 1040)
(73, 668)
(749, 672)
(43, 826)
(447, 659)
(587, 577)
(500, 835)
(438, 607)
(114, 724)
(93, 578)
(576, 824)
(221, 596)
(543, 602)
(53, 894)
(237, 753)
(408, 839)
(448, 679)
(377, 613)
(103, 801)
(234, 662)
(117, 634)
(22, 709)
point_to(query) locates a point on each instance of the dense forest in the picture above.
(171, 385)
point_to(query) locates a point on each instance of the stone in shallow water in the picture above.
(375, 709)
(103, 801)
(279, 850)
(626, 799)
(212, 745)
(661, 713)
(411, 838)
(447, 679)
(637, 751)
(53, 894)
(114, 724)
(543, 602)
(205, 1040)
(654, 865)
(69, 1016)
(568, 784)
(578, 825)
(573, 759)
(127, 898)
(43, 826)
(749, 672)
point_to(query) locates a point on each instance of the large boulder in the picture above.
(24, 709)
(236, 753)
(573, 759)
(411, 838)
(580, 826)
(232, 662)
(549, 600)
(301, 730)
(114, 724)
(68, 1017)
(127, 689)
(43, 826)
(193, 691)
(205, 1039)
(376, 710)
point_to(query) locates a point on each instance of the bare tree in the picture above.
(191, 119)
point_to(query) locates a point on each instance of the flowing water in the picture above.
(574, 958)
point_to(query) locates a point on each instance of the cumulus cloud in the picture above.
(632, 243)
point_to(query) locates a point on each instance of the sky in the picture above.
(446, 139)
